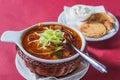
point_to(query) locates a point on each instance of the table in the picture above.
(20, 14)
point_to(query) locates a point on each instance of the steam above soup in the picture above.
(48, 41)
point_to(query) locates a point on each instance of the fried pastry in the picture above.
(93, 29)
(108, 25)
(107, 20)
(101, 17)
(97, 25)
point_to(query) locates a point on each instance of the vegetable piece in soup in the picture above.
(50, 42)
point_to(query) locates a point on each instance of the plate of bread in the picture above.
(98, 26)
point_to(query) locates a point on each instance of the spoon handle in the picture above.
(100, 67)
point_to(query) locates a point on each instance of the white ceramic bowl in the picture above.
(16, 37)
(41, 66)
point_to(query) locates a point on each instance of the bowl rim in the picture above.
(19, 44)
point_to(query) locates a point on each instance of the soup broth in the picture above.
(48, 41)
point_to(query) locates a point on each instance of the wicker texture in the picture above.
(47, 69)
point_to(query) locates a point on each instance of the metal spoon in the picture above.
(100, 67)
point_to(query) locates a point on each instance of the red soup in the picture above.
(49, 41)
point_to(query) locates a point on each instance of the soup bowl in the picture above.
(40, 66)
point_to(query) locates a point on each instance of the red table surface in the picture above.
(20, 14)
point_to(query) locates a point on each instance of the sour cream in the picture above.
(80, 12)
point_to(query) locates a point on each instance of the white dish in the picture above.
(25, 72)
(78, 12)
(62, 19)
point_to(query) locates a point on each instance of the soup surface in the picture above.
(49, 41)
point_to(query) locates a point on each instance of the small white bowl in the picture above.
(80, 12)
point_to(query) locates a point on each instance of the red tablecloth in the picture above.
(20, 14)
